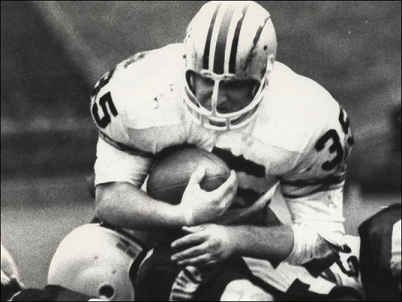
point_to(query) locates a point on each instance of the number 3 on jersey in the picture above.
(336, 145)
(103, 121)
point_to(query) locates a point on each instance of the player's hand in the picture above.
(199, 206)
(205, 245)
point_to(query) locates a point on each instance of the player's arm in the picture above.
(124, 205)
(317, 232)
(210, 243)
(317, 225)
(119, 175)
(121, 202)
(314, 194)
(120, 169)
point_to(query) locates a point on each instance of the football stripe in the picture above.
(125, 148)
(255, 41)
(233, 52)
(329, 180)
(239, 163)
(222, 39)
(309, 192)
(209, 36)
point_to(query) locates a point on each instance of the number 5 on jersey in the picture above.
(103, 119)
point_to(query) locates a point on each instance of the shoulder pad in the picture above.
(143, 91)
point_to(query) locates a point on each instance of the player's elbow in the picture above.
(106, 203)
(309, 245)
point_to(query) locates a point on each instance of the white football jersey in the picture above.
(300, 138)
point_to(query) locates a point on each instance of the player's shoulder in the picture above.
(154, 64)
(141, 77)
(154, 87)
(299, 93)
(141, 92)
(295, 110)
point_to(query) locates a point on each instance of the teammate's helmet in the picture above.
(97, 261)
(229, 40)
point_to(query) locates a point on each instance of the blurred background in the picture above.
(54, 52)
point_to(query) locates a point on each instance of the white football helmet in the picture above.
(229, 40)
(97, 261)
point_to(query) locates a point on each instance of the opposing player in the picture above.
(223, 91)
(380, 255)
(12, 289)
(97, 260)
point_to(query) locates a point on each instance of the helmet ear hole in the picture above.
(106, 291)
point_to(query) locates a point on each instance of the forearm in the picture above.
(271, 243)
(212, 243)
(123, 205)
(317, 225)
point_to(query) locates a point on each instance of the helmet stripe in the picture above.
(215, 33)
(219, 56)
(236, 17)
(209, 36)
(255, 41)
(233, 53)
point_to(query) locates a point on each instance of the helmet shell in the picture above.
(229, 40)
(231, 37)
(96, 261)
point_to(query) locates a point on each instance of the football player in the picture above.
(222, 90)
(380, 255)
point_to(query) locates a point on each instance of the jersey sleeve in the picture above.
(134, 110)
(116, 165)
(118, 157)
(313, 191)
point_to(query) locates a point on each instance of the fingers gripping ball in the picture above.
(170, 176)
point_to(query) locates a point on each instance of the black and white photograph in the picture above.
(200, 150)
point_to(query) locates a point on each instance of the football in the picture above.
(171, 174)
